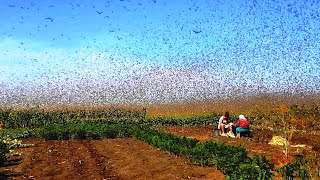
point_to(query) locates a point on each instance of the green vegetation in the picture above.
(4, 149)
(165, 141)
(84, 130)
(7, 145)
(37, 118)
(16, 133)
(296, 169)
(34, 118)
(8, 140)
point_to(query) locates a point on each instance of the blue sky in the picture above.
(156, 51)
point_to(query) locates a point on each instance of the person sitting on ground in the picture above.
(225, 124)
(242, 126)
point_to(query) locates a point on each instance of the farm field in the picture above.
(122, 158)
(130, 158)
(147, 143)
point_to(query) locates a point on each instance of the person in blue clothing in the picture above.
(242, 125)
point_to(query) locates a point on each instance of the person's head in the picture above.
(242, 117)
(226, 114)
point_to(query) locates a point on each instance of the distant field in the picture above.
(246, 106)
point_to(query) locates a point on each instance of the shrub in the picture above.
(296, 169)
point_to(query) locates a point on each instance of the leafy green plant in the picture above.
(265, 166)
(16, 133)
(299, 168)
(4, 149)
(7, 146)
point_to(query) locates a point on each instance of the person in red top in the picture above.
(242, 125)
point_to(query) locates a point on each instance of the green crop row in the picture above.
(34, 118)
(165, 141)
(232, 161)
(84, 130)
(164, 121)
(159, 121)
(16, 133)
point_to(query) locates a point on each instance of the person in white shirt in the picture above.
(224, 125)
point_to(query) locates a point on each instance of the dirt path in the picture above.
(125, 158)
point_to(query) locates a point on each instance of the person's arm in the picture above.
(236, 124)
(220, 121)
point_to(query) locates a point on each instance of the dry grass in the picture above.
(247, 106)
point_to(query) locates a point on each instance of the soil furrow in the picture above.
(104, 171)
(49, 154)
(125, 158)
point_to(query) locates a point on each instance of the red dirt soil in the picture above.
(125, 158)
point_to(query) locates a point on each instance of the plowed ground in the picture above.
(125, 158)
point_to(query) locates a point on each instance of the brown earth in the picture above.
(125, 158)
